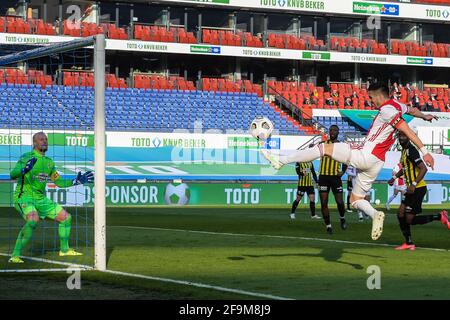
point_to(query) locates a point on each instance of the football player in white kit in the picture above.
(369, 156)
(399, 186)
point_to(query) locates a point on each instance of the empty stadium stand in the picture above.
(226, 37)
(66, 107)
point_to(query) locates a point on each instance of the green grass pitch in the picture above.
(258, 253)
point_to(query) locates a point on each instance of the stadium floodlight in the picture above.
(63, 113)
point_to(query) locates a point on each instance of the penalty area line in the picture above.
(274, 237)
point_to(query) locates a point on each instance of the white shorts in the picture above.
(367, 166)
(400, 188)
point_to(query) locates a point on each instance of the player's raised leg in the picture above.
(338, 151)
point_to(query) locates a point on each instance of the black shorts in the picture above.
(302, 190)
(413, 202)
(350, 185)
(330, 182)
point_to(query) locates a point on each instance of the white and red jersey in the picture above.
(380, 137)
(400, 181)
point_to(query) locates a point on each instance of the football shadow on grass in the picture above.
(328, 254)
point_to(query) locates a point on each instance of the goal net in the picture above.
(52, 134)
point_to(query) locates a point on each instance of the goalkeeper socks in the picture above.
(312, 207)
(64, 233)
(294, 206)
(365, 207)
(425, 219)
(405, 228)
(24, 237)
(306, 155)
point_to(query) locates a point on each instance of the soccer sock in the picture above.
(426, 219)
(405, 228)
(64, 233)
(24, 237)
(348, 201)
(365, 207)
(391, 198)
(312, 207)
(326, 216)
(294, 206)
(341, 209)
(306, 155)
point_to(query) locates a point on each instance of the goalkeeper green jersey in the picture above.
(33, 184)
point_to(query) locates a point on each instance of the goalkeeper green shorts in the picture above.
(45, 207)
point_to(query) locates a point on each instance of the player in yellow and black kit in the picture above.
(330, 175)
(306, 174)
(414, 170)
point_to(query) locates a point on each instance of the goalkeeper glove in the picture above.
(28, 166)
(87, 177)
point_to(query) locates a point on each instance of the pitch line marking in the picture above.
(273, 236)
(199, 285)
(70, 266)
(135, 275)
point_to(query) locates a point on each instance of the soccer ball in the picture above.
(377, 202)
(261, 128)
(177, 194)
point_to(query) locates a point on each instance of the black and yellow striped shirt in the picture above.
(410, 162)
(306, 173)
(328, 166)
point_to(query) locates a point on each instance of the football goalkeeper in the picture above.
(32, 172)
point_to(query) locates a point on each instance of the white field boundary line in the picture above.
(70, 266)
(274, 237)
(41, 270)
(78, 267)
(198, 285)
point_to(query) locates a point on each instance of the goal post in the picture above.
(100, 154)
(96, 43)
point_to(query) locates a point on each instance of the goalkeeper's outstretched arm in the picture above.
(87, 177)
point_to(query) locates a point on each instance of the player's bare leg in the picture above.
(325, 211)
(312, 207)
(295, 204)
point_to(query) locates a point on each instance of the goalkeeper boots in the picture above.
(70, 252)
(15, 260)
